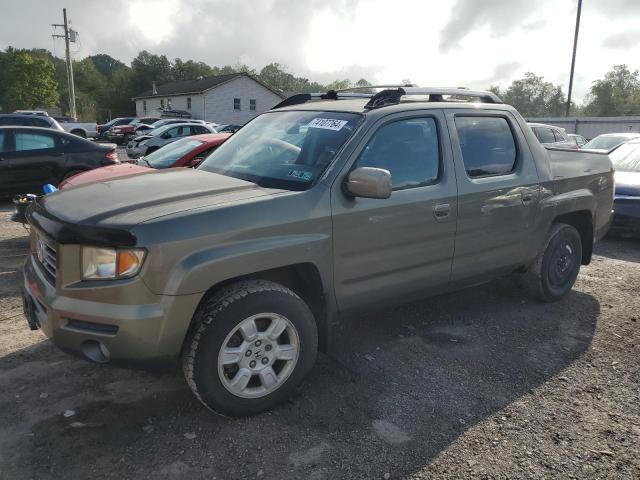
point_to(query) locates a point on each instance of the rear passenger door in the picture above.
(35, 160)
(498, 194)
(395, 249)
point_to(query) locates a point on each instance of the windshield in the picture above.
(166, 156)
(288, 150)
(626, 158)
(606, 143)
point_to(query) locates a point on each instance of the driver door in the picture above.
(392, 250)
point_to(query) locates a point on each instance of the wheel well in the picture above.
(582, 221)
(302, 278)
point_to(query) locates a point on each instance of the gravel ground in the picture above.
(482, 383)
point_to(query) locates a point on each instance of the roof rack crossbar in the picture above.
(392, 94)
(330, 95)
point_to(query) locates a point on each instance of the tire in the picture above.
(555, 270)
(79, 133)
(260, 372)
(70, 174)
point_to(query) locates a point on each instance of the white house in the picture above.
(226, 99)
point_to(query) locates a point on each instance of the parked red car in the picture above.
(123, 133)
(186, 152)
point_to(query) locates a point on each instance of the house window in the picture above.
(144, 106)
(252, 104)
(168, 103)
(162, 103)
(188, 102)
(236, 104)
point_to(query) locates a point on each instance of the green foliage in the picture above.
(617, 94)
(105, 86)
(533, 97)
(27, 81)
(106, 64)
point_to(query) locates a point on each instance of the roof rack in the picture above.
(392, 97)
(392, 94)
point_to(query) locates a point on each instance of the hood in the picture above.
(627, 183)
(127, 201)
(104, 173)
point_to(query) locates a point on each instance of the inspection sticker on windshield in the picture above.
(300, 174)
(327, 123)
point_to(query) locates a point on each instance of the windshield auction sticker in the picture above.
(327, 123)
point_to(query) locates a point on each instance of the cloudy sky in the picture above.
(472, 43)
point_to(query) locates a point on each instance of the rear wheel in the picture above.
(70, 174)
(79, 133)
(250, 347)
(556, 269)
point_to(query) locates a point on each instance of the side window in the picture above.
(236, 104)
(175, 132)
(38, 122)
(408, 149)
(33, 141)
(487, 145)
(559, 136)
(3, 142)
(545, 135)
(252, 104)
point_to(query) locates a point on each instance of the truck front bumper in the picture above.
(152, 330)
(626, 215)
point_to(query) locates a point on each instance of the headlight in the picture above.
(110, 263)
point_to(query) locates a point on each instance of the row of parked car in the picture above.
(124, 129)
(31, 157)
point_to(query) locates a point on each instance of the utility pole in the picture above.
(69, 36)
(573, 58)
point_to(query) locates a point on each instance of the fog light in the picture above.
(96, 351)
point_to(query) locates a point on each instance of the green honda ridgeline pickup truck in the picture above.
(325, 205)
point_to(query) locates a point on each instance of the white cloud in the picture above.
(431, 42)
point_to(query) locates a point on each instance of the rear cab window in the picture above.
(487, 144)
(560, 137)
(545, 135)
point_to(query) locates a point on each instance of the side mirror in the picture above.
(368, 182)
(194, 162)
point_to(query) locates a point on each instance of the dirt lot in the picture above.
(482, 383)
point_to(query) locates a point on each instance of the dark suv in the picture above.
(16, 119)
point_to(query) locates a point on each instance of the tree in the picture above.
(148, 68)
(106, 64)
(533, 97)
(363, 83)
(339, 84)
(617, 94)
(28, 81)
(190, 70)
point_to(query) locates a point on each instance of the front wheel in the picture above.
(556, 269)
(250, 347)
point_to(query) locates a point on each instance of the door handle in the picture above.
(528, 196)
(441, 211)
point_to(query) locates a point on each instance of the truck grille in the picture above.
(47, 254)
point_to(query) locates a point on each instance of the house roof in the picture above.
(201, 85)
